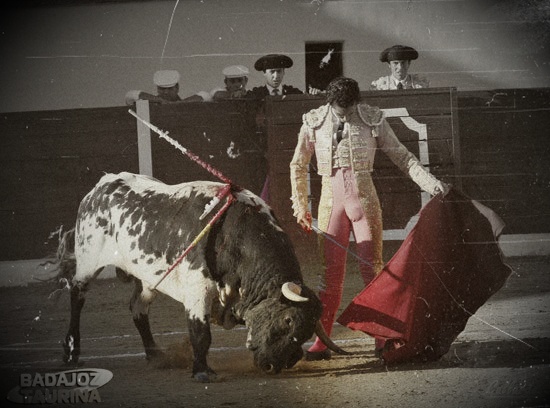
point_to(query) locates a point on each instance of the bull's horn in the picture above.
(292, 292)
(323, 336)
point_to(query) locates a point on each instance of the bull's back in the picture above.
(137, 198)
(136, 222)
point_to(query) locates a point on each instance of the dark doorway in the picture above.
(323, 63)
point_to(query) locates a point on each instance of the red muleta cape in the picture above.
(447, 267)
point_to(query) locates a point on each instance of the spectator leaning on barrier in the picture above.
(235, 80)
(167, 83)
(399, 59)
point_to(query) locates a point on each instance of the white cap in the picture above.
(166, 78)
(235, 71)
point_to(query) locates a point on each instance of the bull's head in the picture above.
(278, 327)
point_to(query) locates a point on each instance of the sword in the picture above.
(325, 235)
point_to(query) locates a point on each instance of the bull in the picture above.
(244, 271)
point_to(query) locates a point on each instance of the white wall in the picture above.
(89, 55)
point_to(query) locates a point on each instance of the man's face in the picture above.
(236, 84)
(399, 68)
(168, 94)
(274, 77)
(343, 114)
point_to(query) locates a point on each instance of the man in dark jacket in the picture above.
(273, 67)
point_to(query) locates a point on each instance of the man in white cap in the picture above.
(167, 82)
(235, 80)
(399, 59)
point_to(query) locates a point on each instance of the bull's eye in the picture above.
(288, 320)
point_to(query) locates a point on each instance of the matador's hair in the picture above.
(344, 91)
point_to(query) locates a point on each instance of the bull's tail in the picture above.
(65, 262)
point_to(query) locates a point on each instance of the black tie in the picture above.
(339, 132)
(399, 85)
(275, 91)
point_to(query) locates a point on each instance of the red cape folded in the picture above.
(447, 267)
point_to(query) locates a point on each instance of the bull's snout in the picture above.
(269, 369)
(294, 357)
(274, 365)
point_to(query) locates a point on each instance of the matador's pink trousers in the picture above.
(346, 215)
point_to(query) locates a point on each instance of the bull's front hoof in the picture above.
(154, 354)
(73, 364)
(71, 360)
(70, 356)
(205, 376)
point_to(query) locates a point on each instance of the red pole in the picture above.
(226, 190)
(189, 154)
(201, 234)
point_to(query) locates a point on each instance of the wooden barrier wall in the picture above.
(223, 134)
(505, 140)
(495, 145)
(51, 159)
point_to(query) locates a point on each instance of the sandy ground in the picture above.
(502, 359)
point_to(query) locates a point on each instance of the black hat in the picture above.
(398, 52)
(272, 61)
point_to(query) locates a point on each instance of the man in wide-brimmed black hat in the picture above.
(399, 59)
(273, 67)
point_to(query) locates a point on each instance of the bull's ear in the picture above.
(292, 291)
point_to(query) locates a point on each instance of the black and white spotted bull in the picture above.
(244, 270)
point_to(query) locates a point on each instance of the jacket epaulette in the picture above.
(371, 115)
(315, 117)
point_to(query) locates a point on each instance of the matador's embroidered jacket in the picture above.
(365, 132)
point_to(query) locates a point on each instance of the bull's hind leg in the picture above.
(71, 344)
(139, 305)
(201, 338)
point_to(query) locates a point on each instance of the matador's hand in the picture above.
(443, 188)
(304, 219)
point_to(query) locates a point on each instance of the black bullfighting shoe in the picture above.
(318, 355)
